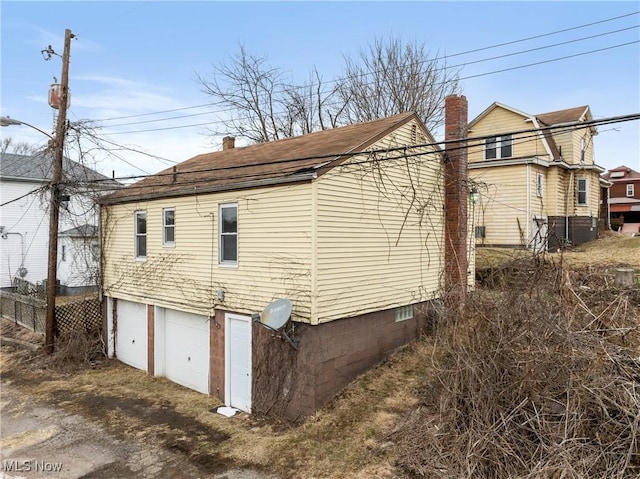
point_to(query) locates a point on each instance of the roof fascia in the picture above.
(23, 179)
(545, 143)
(492, 107)
(514, 162)
(301, 177)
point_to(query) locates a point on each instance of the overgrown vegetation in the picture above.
(537, 382)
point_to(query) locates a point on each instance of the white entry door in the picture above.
(238, 362)
(131, 333)
(186, 351)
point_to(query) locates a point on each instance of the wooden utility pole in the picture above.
(54, 206)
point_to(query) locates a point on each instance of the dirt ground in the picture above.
(349, 438)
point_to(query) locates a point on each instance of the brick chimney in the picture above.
(456, 197)
(228, 142)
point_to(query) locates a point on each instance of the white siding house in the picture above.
(24, 220)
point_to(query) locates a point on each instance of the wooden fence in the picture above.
(83, 315)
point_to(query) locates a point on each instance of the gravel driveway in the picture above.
(42, 441)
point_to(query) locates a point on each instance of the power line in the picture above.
(37, 190)
(437, 83)
(475, 142)
(437, 69)
(342, 79)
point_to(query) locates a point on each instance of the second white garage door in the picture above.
(186, 349)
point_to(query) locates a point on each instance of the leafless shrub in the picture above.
(76, 348)
(540, 382)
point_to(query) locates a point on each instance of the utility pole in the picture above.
(54, 206)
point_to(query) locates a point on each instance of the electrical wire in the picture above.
(476, 142)
(342, 79)
(552, 60)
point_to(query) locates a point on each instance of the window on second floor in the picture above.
(141, 234)
(630, 191)
(498, 147)
(169, 226)
(228, 232)
(539, 185)
(583, 186)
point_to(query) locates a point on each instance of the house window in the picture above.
(141, 234)
(404, 312)
(63, 253)
(498, 147)
(539, 185)
(168, 226)
(582, 191)
(228, 227)
(630, 191)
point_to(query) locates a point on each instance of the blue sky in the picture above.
(133, 58)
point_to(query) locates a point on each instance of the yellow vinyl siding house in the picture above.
(347, 224)
(539, 185)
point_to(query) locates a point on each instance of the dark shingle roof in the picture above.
(82, 231)
(628, 174)
(263, 163)
(39, 167)
(562, 116)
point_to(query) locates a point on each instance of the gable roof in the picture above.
(579, 113)
(492, 107)
(38, 168)
(288, 160)
(569, 115)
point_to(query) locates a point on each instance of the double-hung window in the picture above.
(630, 191)
(583, 190)
(169, 227)
(141, 234)
(228, 233)
(498, 147)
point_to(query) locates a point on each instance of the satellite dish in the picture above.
(276, 314)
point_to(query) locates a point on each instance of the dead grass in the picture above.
(612, 249)
(383, 420)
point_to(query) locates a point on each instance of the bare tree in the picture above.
(391, 77)
(262, 104)
(19, 148)
(386, 79)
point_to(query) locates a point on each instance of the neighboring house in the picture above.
(538, 189)
(348, 224)
(624, 199)
(24, 221)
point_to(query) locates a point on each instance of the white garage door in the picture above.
(131, 334)
(186, 360)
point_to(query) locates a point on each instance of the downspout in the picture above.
(529, 218)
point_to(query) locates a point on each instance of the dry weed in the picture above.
(533, 383)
